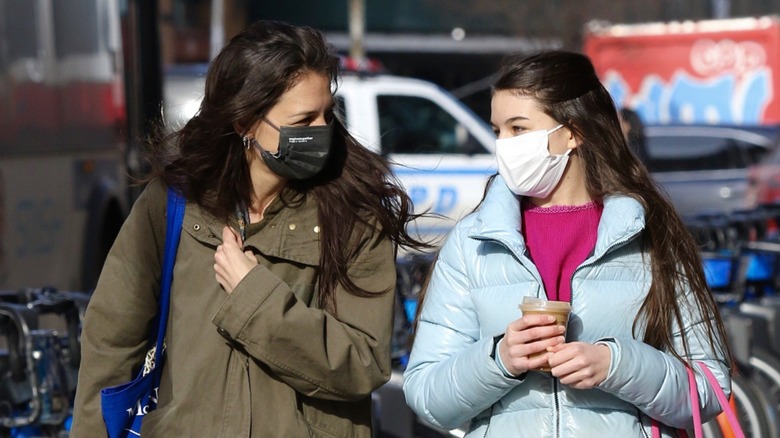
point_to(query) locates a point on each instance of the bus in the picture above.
(66, 120)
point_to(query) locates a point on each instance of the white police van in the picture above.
(440, 150)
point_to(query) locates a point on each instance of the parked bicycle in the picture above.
(741, 255)
(39, 329)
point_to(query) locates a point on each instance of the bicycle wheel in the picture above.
(711, 429)
(754, 411)
(764, 372)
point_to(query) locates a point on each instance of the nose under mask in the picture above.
(526, 165)
(303, 151)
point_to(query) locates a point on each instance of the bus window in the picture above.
(21, 29)
(76, 28)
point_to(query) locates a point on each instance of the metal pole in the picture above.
(357, 29)
(143, 83)
(217, 34)
(721, 8)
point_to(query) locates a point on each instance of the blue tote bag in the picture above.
(125, 405)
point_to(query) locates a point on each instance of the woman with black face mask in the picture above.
(281, 303)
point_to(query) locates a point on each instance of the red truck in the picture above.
(693, 72)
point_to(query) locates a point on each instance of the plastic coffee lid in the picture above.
(539, 303)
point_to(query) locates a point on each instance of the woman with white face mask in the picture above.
(572, 216)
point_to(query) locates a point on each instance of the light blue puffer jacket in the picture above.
(481, 276)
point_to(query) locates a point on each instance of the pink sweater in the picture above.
(559, 239)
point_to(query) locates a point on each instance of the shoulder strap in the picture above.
(731, 416)
(695, 410)
(174, 219)
(695, 406)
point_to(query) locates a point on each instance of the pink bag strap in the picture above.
(696, 410)
(724, 403)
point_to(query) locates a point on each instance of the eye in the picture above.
(313, 117)
(517, 130)
(305, 121)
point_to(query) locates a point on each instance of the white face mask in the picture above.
(527, 166)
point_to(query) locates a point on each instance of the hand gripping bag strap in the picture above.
(696, 410)
(125, 405)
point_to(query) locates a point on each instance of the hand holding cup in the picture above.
(527, 340)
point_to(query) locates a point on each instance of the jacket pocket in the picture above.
(335, 419)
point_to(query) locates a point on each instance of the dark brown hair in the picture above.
(566, 87)
(356, 194)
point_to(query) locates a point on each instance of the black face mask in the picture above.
(303, 150)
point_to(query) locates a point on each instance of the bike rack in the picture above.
(40, 365)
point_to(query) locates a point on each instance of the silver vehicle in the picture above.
(703, 169)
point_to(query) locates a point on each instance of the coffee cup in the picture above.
(537, 306)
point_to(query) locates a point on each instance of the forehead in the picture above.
(311, 91)
(510, 104)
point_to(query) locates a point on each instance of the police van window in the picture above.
(414, 125)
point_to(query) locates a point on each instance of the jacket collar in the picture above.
(288, 231)
(499, 219)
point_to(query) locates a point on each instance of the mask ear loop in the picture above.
(555, 129)
(568, 151)
(278, 152)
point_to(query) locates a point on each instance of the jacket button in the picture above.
(196, 227)
(292, 226)
(317, 229)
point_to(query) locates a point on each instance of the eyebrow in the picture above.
(305, 114)
(512, 119)
(515, 119)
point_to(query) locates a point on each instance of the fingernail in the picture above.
(561, 329)
(550, 318)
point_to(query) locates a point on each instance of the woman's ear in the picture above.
(573, 142)
(239, 129)
(248, 130)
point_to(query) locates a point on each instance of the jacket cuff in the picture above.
(614, 351)
(242, 304)
(497, 358)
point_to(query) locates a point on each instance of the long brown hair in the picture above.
(566, 87)
(356, 194)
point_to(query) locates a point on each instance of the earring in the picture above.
(246, 141)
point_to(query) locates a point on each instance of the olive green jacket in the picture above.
(263, 361)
